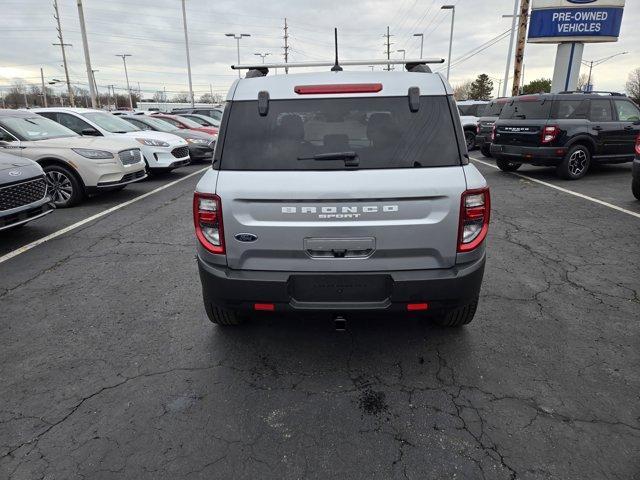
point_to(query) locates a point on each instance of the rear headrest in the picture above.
(292, 127)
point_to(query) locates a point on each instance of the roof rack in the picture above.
(412, 61)
(596, 92)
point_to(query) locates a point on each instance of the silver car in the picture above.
(341, 192)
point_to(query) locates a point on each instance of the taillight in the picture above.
(475, 211)
(550, 133)
(493, 133)
(638, 145)
(207, 218)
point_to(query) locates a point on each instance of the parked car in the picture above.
(162, 152)
(213, 112)
(203, 120)
(635, 184)
(484, 129)
(185, 123)
(201, 145)
(470, 113)
(341, 192)
(74, 166)
(569, 131)
(23, 191)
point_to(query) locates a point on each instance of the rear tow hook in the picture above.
(340, 324)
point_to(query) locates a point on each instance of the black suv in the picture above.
(567, 130)
(485, 124)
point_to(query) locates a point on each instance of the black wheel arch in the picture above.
(583, 140)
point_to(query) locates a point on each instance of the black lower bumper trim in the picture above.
(548, 156)
(441, 288)
(15, 219)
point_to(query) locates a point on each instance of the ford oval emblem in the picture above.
(246, 237)
(15, 173)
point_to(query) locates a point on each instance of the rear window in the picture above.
(475, 110)
(379, 132)
(493, 109)
(527, 109)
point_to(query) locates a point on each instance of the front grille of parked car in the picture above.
(130, 157)
(24, 193)
(180, 152)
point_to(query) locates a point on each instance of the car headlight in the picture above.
(93, 154)
(152, 143)
(198, 141)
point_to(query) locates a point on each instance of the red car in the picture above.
(182, 122)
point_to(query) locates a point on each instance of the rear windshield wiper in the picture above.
(522, 116)
(351, 159)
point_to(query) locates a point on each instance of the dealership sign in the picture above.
(554, 21)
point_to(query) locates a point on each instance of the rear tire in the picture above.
(486, 150)
(63, 185)
(507, 166)
(459, 316)
(223, 316)
(470, 139)
(575, 164)
(635, 187)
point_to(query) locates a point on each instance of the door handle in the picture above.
(597, 127)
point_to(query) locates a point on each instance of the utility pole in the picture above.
(453, 18)
(44, 89)
(513, 31)
(211, 92)
(286, 45)
(64, 55)
(186, 43)
(87, 58)
(95, 85)
(109, 96)
(518, 70)
(388, 46)
(499, 85)
(24, 94)
(126, 74)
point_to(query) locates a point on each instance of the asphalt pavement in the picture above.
(111, 370)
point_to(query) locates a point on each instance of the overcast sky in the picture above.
(151, 30)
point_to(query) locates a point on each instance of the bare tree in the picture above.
(182, 97)
(583, 79)
(159, 96)
(633, 85)
(462, 91)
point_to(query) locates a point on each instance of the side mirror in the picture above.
(90, 132)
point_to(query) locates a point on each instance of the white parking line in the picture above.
(564, 190)
(53, 235)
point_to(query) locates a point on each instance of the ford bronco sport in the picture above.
(341, 192)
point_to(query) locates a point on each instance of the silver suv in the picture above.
(341, 192)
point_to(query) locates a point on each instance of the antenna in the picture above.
(336, 67)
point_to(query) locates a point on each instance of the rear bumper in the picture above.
(549, 156)
(441, 289)
(200, 152)
(483, 139)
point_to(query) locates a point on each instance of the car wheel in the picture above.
(486, 150)
(459, 316)
(223, 316)
(64, 187)
(575, 163)
(635, 187)
(470, 138)
(507, 166)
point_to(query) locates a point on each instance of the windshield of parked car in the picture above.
(527, 109)
(110, 123)
(160, 125)
(337, 133)
(189, 123)
(35, 128)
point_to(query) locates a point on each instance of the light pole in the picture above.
(453, 17)
(238, 36)
(126, 74)
(262, 55)
(595, 63)
(421, 35)
(404, 53)
(95, 85)
(186, 42)
(513, 33)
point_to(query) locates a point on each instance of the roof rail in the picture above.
(409, 61)
(595, 92)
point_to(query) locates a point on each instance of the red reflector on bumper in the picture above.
(264, 307)
(413, 307)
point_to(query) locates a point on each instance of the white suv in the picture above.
(470, 113)
(74, 166)
(161, 151)
(341, 192)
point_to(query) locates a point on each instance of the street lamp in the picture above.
(124, 60)
(237, 36)
(595, 63)
(262, 55)
(421, 35)
(404, 53)
(453, 17)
